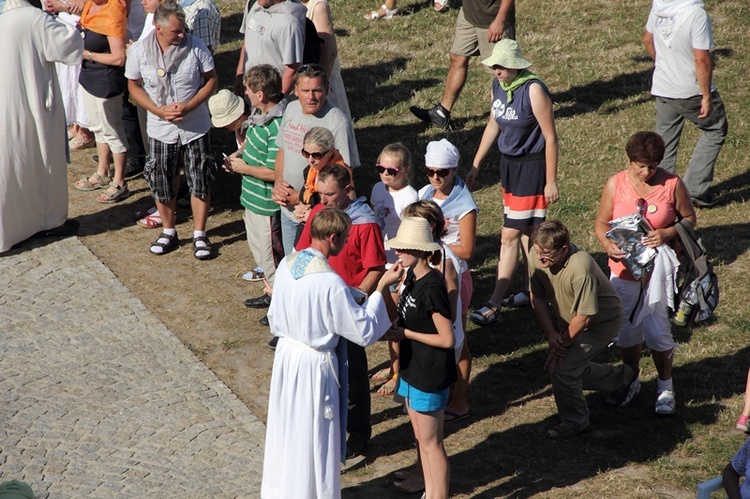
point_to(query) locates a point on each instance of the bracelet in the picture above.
(90, 56)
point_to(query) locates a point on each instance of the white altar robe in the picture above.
(309, 314)
(33, 170)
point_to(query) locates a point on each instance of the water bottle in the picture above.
(689, 299)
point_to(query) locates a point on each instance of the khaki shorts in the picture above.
(469, 40)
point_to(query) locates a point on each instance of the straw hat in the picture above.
(414, 233)
(225, 108)
(507, 54)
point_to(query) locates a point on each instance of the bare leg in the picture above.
(200, 211)
(631, 356)
(455, 80)
(459, 402)
(428, 429)
(746, 409)
(102, 167)
(510, 240)
(167, 212)
(663, 363)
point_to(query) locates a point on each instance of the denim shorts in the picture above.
(421, 401)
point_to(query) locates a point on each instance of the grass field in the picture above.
(590, 55)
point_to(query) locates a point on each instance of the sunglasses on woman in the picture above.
(442, 172)
(387, 170)
(317, 156)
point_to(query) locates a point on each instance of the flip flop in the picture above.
(382, 375)
(452, 417)
(152, 221)
(564, 432)
(388, 387)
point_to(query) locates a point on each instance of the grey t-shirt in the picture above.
(275, 35)
(294, 126)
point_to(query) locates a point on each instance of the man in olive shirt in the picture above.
(589, 312)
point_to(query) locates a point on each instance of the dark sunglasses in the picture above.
(442, 173)
(317, 156)
(388, 171)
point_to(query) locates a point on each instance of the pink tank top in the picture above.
(660, 211)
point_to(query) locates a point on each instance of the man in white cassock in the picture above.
(311, 310)
(33, 173)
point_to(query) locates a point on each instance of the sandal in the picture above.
(382, 375)
(87, 185)
(383, 13)
(665, 403)
(564, 432)
(166, 242)
(520, 299)
(205, 247)
(388, 387)
(255, 275)
(77, 143)
(742, 422)
(441, 6)
(488, 314)
(151, 221)
(121, 192)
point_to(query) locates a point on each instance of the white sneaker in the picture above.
(665, 403)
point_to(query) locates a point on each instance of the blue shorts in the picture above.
(422, 401)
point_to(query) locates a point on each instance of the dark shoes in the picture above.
(69, 228)
(354, 450)
(273, 342)
(706, 201)
(262, 301)
(436, 115)
(132, 169)
(264, 321)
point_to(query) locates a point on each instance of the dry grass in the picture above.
(589, 54)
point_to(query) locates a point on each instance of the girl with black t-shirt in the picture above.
(425, 333)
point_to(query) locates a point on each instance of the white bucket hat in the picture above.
(225, 107)
(414, 233)
(507, 53)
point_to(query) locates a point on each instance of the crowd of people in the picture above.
(341, 270)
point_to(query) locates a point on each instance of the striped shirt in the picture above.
(260, 150)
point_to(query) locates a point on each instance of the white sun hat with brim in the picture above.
(507, 53)
(225, 108)
(414, 233)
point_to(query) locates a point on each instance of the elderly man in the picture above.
(171, 75)
(33, 175)
(360, 264)
(274, 34)
(310, 110)
(589, 312)
(480, 24)
(678, 38)
(311, 312)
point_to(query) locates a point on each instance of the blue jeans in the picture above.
(289, 226)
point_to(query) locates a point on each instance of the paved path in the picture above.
(99, 399)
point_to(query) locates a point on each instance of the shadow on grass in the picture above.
(595, 97)
(530, 464)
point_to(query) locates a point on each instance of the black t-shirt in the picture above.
(425, 367)
(97, 79)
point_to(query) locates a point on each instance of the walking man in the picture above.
(171, 75)
(479, 26)
(589, 313)
(678, 38)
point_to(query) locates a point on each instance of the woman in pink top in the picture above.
(665, 200)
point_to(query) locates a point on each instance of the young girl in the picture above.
(425, 333)
(388, 198)
(452, 195)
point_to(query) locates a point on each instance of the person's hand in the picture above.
(655, 238)
(280, 193)
(301, 212)
(182, 109)
(232, 164)
(553, 362)
(614, 251)
(550, 192)
(706, 107)
(168, 112)
(495, 31)
(267, 288)
(238, 86)
(391, 276)
(471, 178)
(395, 333)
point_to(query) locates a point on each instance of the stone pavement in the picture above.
(99, 399)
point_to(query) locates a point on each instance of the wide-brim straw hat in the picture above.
(225, 107)
(507, 53)
(414, 233)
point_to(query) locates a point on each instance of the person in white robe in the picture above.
(33, 172)
(311, 310)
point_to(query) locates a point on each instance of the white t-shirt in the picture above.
(388, 206)
(674, 41)
(148, 26)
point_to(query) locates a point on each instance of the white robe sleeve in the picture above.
(61, 42)
(362, 325)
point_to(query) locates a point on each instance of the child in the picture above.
(256, 164)
(388, 198)
(425, 332)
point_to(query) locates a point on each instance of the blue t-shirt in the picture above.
(520, 133)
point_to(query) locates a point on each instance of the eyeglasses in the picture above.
(442, 172)
(387, 170)
(317, 156)
(547, 255)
